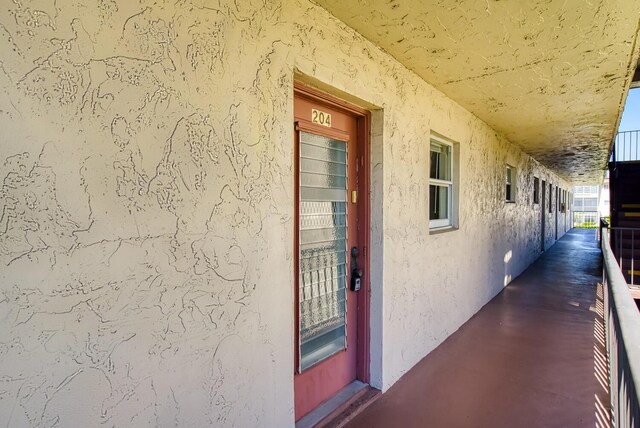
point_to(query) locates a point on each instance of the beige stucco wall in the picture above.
(146, 229)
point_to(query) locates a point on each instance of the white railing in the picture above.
(622, 323)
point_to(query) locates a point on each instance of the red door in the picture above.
(328, 342)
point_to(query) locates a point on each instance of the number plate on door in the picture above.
(321, 118)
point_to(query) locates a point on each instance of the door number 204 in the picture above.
(321, 118)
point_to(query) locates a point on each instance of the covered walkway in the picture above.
(532, 357)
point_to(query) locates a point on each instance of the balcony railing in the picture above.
(622, 324)
(625, 242)
(626, 147)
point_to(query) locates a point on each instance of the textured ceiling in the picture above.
(549, 75)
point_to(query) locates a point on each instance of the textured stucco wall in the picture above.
(146, 227)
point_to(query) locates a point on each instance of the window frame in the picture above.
(450, 221)
(536, 190)
(510, 184)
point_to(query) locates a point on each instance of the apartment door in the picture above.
(330, 247)
(543, 214)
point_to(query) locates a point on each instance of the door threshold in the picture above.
(341, 408)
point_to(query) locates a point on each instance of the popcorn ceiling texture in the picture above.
(146, 235)
(551, 76)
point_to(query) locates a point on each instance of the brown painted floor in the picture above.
(532, 357)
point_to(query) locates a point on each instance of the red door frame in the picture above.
(363, 207)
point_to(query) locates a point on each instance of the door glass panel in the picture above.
(323, 245)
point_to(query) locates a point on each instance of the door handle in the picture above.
(356, 273)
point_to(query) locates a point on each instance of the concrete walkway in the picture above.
(532, 357)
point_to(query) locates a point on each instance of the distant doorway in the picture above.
(557, 209)
(543, 213)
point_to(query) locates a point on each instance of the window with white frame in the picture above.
(511, 184)
(441, 184)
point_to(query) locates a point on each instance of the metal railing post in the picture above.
(619, 240)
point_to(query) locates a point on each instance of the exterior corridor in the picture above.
(532, 357)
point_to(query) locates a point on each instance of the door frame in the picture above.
(363, 118)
